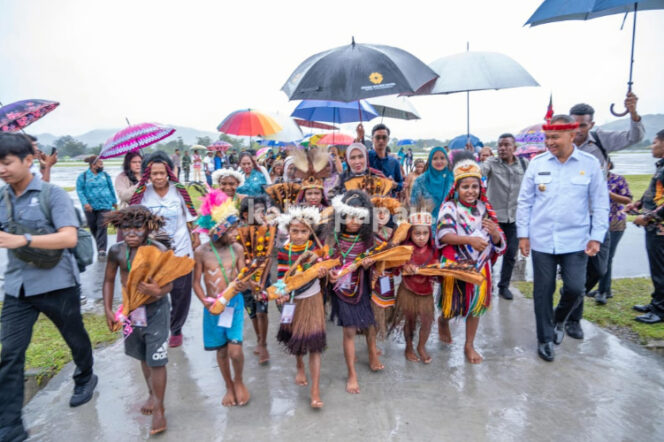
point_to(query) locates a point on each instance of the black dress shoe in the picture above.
(609, 295)
(574, 330)
(649, 318)
(505, 294)
(592, 293)
(600, 298)
(545, 351)
(558, 333)
(643, 308)
(83, 393)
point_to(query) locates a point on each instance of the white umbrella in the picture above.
(476, 71)
(290, 129)
(393, 106)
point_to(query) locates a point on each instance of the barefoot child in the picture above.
(147, 343)
(467, 231)
(382, 287)
(351, 303)
(306, 332)
(252, 213)
(219, 261)
(415, 295)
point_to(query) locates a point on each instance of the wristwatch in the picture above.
(28, 238)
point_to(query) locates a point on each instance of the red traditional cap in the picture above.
(560, 126)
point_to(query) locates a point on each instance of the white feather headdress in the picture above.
(220, 173)
(344, 209)
(307, 215)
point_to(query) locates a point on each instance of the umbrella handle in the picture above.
(618, 114)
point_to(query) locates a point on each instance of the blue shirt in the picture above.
(96, 190)
(27, 211)
(389, 166)
(557, 200)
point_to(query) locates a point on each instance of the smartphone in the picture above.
(54, 151)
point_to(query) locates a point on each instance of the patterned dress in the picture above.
(459, 298)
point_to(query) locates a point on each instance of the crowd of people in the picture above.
(319, 224)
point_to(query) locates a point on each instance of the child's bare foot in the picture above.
(379, 352)
(263, 355)
(301, 377)
(256, 352)
(147, 406)
(374, 362)
(158, 421)
(241, 393)
(229, 399)
(473, 356)
(315, 400)
(352, 386)
(410, 354)
(444, 333)
(424, 356)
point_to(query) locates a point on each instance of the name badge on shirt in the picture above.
(344, 282)
(385, 285)
(287, 313)
(139, 317)
(226, 318)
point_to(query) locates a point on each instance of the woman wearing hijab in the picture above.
(435, 182)
(358, 165)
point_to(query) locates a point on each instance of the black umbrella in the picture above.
(356, 72)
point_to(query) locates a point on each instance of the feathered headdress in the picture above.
(307, 215)
(218, 174)
(343, 208)
(311, 166)
(218, 214)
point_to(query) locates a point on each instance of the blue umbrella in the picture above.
(460, 142)
(562, 10)
(334, 111)
(406, 142)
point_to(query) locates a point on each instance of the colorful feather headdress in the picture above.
(218, 214)
(307, 215)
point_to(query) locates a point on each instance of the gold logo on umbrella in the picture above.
(376, 78)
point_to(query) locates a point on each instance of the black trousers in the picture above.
(509, 258)
(597, 267)
(186, 175)
(655, 249)
(63, 308)
(573, 269)
(180, 302)
(97, 228)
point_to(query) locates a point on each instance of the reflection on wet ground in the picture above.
(597, 389)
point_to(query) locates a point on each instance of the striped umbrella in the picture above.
(248, 123)
(220, 145)
(133, 138)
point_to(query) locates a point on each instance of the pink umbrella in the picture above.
(133, 138)
(262, 151)
(529, 151)
(336, 139)
(220, 145)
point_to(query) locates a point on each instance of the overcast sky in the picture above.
(192, 62)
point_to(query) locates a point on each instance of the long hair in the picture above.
(161, 158)
(254, 164)
(126, 166)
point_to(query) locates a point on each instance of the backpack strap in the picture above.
(44, 201)
(523, 164)
(8, 202)
(598, 143)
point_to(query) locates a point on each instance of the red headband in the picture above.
(563, 126)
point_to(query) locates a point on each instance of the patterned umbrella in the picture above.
(18, 115)
(249, 123)
(133, 138)
(529, 151)
(531, 135)
(220, 145)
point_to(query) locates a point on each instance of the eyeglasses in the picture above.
(381, 137)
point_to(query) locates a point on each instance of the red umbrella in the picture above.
(336, 139)
(133, 138)
(220, 145)
(16, 116)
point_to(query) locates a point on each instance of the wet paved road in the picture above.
(597, 389)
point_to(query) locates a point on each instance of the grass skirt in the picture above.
(358, 315)
(306, 334)
(383, 316)
(411, 306)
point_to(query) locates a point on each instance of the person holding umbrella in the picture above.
(97, 196)
(379, 158)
